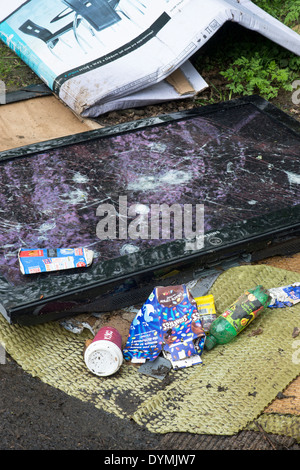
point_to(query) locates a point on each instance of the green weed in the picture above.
(287, 11)
(249, 75)
(13, 71)
(250, 63)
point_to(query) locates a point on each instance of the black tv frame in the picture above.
(126, 280)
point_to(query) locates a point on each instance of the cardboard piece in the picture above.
(181, 84)
(37, 120)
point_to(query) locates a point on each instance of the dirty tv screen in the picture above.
(239, 160)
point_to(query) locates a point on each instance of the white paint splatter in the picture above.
(175, 177)
(144, 183)
(79, 178)
(128, 248)
(229, 167)
(74, 197)
(293, 177)
(171, 177)
(158, 147)
(47, 226)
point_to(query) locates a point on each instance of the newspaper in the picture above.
(98, 55)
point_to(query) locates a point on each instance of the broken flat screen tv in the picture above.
(151, 198)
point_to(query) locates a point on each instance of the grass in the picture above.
(13, 71)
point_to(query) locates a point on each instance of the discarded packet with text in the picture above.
(53, 259)
(285, 296)
(167, 321)
(184, 353)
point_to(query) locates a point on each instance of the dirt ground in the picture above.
(36, 416)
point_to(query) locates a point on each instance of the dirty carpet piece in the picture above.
(233, 387)
(288, 401)
(280, 424)
(238, 380)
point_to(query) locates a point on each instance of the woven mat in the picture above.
(224, 395)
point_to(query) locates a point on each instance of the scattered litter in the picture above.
(169, 322)
(158, 368)
(173, 327)
(54, 259)
(285, 296)
(103, 355)
(235, 319)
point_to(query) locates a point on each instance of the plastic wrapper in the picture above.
(206, 310)
(285, 296)
(169, 322)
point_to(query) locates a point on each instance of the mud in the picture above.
(36, 416)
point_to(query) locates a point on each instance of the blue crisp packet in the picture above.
(184, 353)
(169, 316)
(285, 296)
(53, 259)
